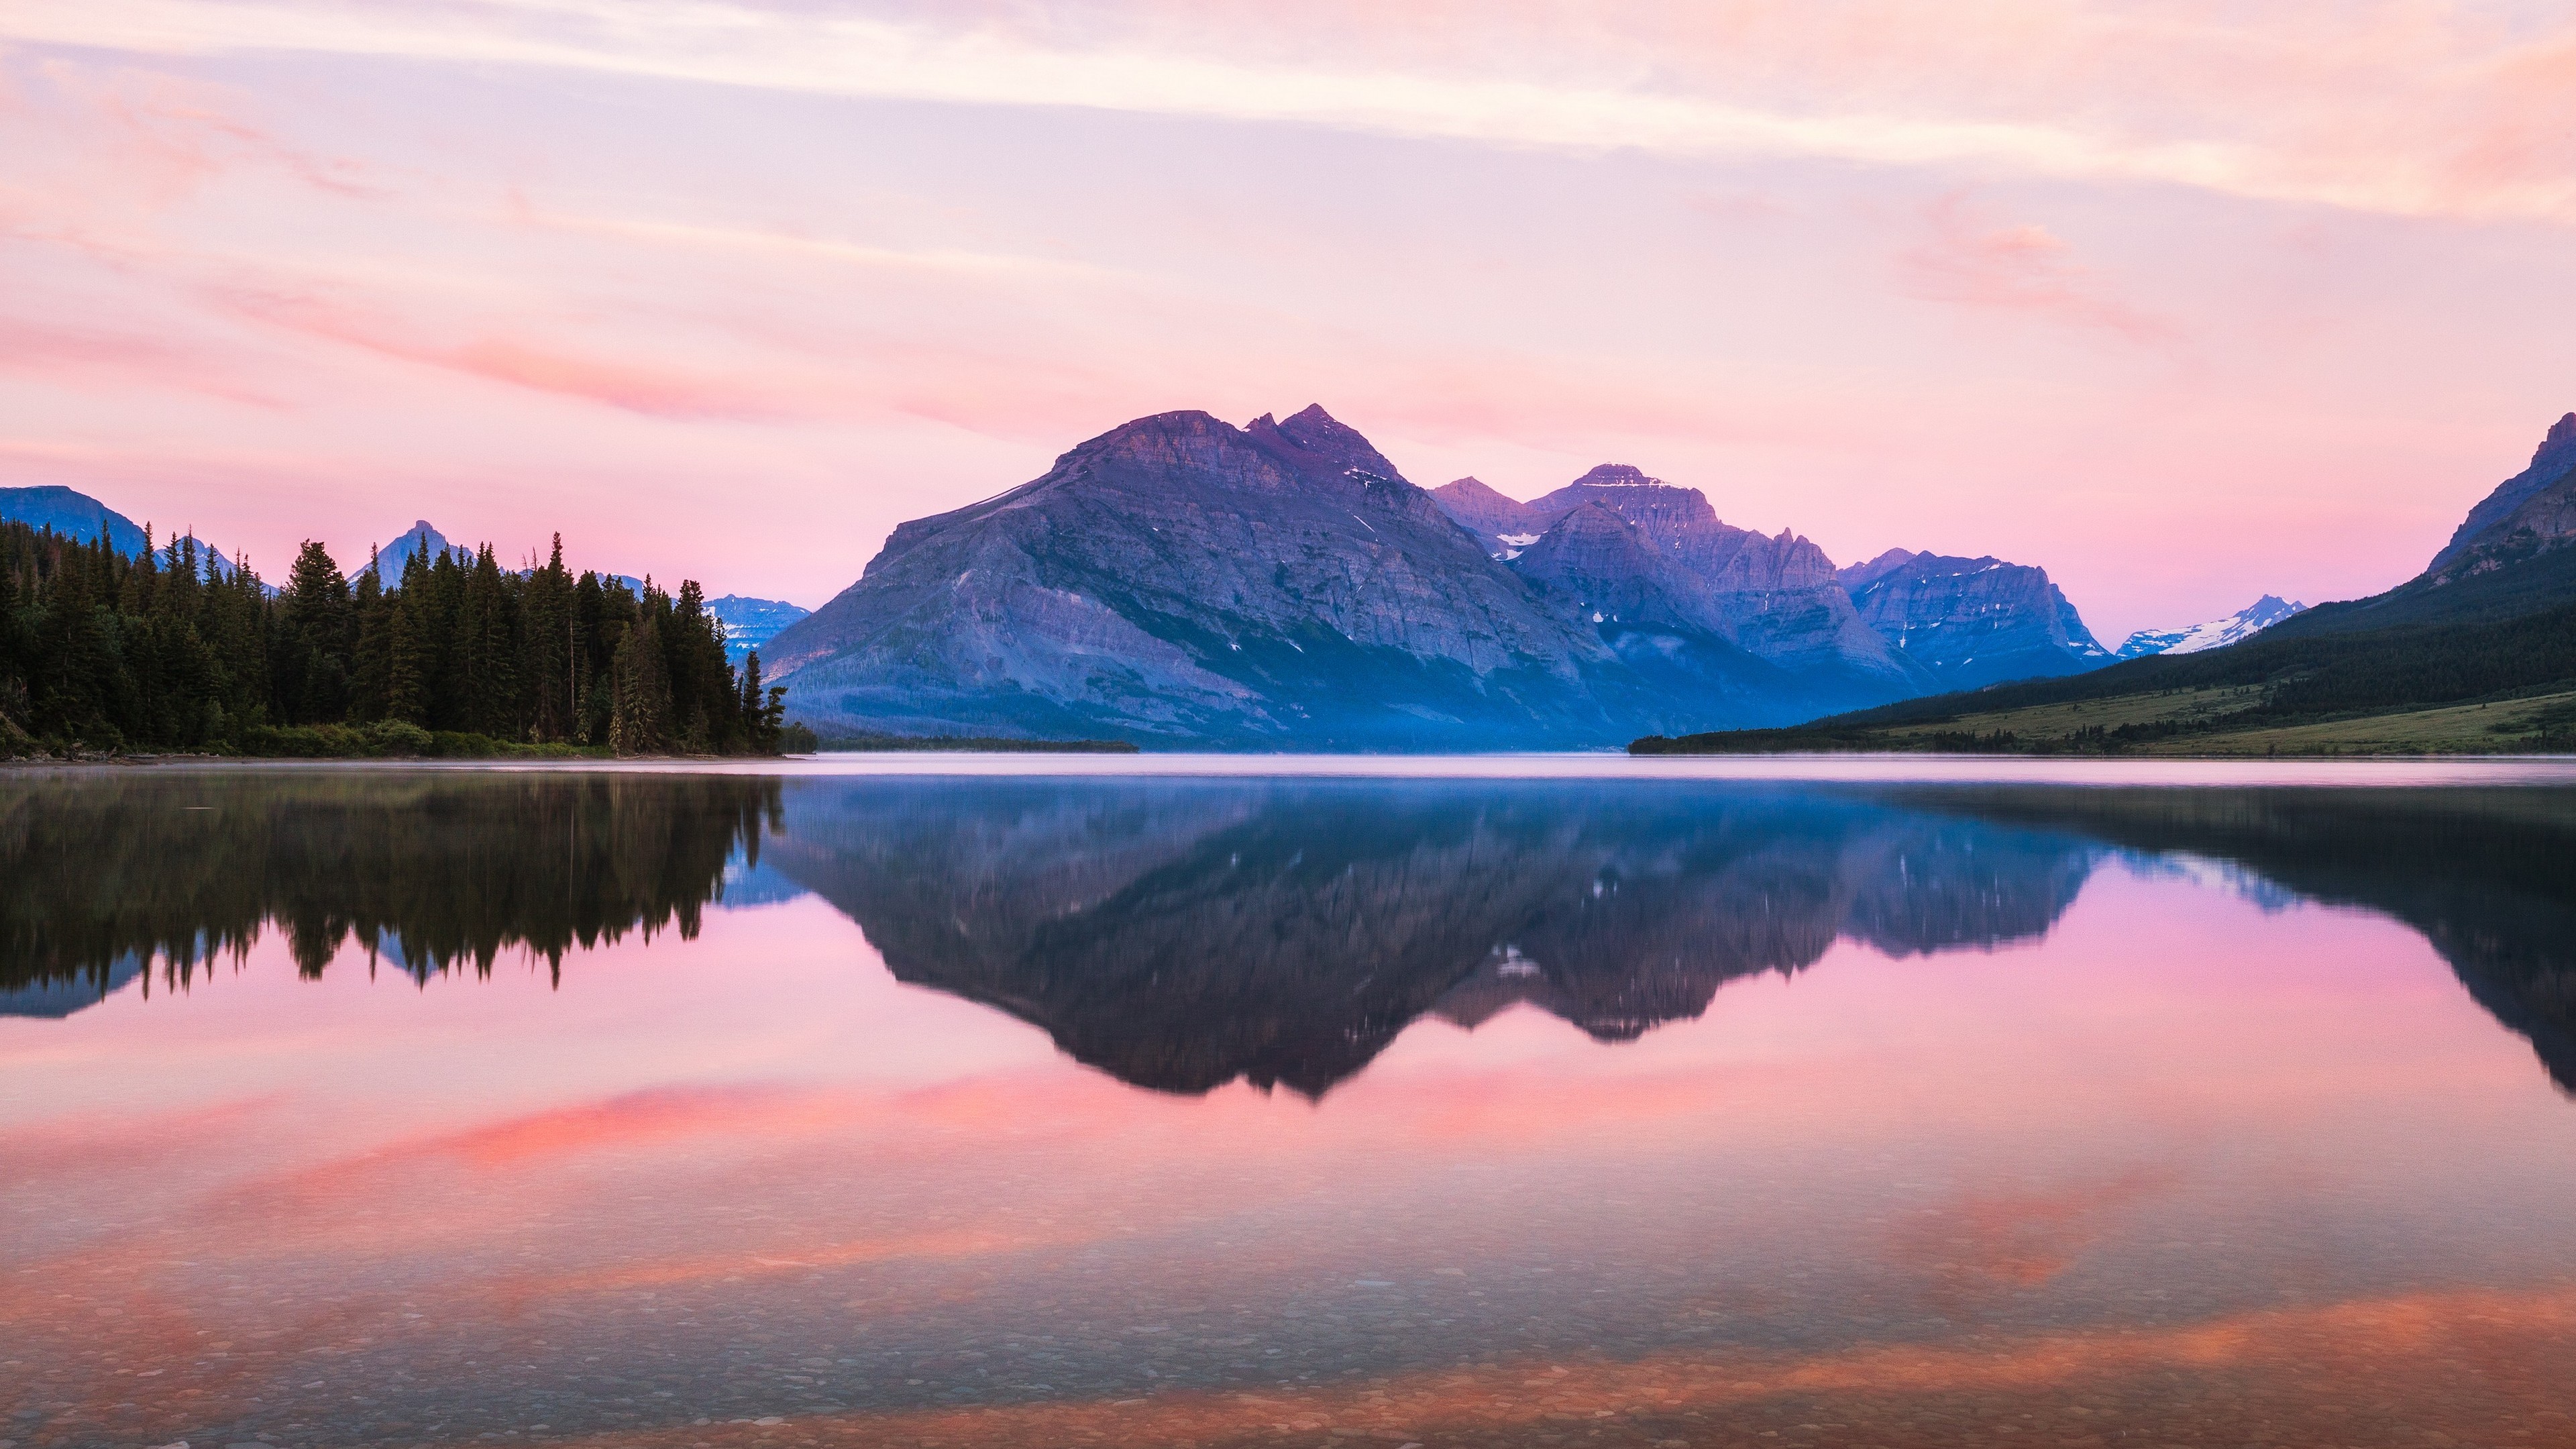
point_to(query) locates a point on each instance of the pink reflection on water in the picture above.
(2177, 1110)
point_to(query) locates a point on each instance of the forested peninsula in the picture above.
(102, 651)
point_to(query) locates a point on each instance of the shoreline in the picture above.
(1602, 767)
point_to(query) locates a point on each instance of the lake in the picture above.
(1099, 1101)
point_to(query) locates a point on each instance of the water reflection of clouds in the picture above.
(2012, 1138)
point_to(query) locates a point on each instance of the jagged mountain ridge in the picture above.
(1180, 580)
(1971, 622)
(1773, 596)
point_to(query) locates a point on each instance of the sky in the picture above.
(2185, 302)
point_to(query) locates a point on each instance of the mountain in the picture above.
(2530, 512)
(77, 515)
(2475, 655)
(751, 623)
(1506, 525)
(392, 558)
(2245, 623)
(1775, 597)
(1645, 605)
(1972, 621)
(1179, 580)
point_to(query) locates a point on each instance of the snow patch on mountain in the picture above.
(2244, 624)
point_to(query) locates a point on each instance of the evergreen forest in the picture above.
(155, 651)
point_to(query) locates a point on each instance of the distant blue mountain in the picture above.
(54, 1000)
(751, 623)
(391, 559)
(77, 515)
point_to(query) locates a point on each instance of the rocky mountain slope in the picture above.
(1971, 622)
(1180, 580)
(2235, 628)
(2532, 512)
(2477, 654)
(1773, 596)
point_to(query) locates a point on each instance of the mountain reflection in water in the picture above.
(2049, 1110)
(1183, 934)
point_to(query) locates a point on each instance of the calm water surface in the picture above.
(1854, 1104)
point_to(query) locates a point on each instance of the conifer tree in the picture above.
(639, 722)
(316, 640)
(169, 649)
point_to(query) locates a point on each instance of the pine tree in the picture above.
(639, 722)
(373, 658)
(408, 657)
(547, 633)
(317, 639)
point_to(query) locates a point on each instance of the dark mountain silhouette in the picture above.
(2485, 875)
(1181, 936)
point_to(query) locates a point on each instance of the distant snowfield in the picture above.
(2244, 624)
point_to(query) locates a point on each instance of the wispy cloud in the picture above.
(2014, 268)
(514, 360)
(2098, 92)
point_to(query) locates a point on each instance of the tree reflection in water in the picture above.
(1183, 934)
(105, 874)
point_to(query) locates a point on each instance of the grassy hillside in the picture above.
(2449, 678)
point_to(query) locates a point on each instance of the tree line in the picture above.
(543, 862)
(102, 650)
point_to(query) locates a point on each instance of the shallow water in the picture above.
(1048, 1101)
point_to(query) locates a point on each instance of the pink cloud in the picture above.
(56, 353)
(636, 387)
(2022, 269)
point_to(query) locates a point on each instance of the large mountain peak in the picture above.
(1973, 621)
(1315, 440)
(1664, 510)
(1619, 475)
